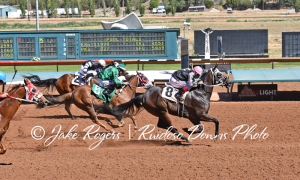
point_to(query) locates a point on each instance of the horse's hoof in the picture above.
(74, 118)
(112, 131)
(215, 138)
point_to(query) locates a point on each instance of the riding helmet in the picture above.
(2, 76)
(198, 70)
(122, 67)
(102, 62)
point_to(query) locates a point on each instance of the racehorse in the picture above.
(196, 104)
(63, 85)
(85, 100)
(10, 105)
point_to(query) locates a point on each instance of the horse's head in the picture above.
(33, 94)
(215, 77)
(143, 80)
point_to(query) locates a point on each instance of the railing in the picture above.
(142, 62)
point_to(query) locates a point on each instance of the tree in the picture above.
(104, 7)
(52, 8)
(220, 3)
(116, 5)
(296, 6)
(166, 2)
(141, 8)
(66, 6)
(22, 4)
(29, 9)
(154, 4)
(209, 4)
(92, 7)
(128, 7)
(176, 4)
(79, 7)
(47, 3)
(73, 7)
(41, 7)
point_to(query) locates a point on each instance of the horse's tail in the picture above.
(48, 84)
(60, 99)
(130, 108)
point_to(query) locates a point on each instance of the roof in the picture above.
(266, 75)
(2, 7)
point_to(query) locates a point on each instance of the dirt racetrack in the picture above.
(272, 153)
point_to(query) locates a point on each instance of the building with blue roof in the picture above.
(4, 9)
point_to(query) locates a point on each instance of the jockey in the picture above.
(109, 77)
(2, 80)
(90, 68)
(185, 80)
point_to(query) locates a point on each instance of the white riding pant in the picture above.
(104, 83)
(179, 84)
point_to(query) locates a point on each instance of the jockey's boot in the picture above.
(179, 94)
(107, 93)
(80, 79)
(87, 77)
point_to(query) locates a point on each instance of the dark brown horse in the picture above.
(10, 105)
(196, 104)
(63, 85)
(85, 100)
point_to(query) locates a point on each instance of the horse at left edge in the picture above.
(10, 105)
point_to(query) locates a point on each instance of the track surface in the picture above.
(275, 157)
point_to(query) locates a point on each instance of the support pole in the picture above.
(37, 15)
(184, 53)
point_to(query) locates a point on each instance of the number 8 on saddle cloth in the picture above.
(169, 93)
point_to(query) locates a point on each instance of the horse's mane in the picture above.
(14, 87)
(204, 75)
(128, 77)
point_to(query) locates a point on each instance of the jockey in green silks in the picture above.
(109, 77)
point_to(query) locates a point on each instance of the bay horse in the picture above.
(10, 105)
(196, 104)
(84, 99)
(63, 85)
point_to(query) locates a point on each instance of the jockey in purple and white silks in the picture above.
(90, 68)
(184, 79)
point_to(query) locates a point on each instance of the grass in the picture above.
(50, 25)
(133, 67)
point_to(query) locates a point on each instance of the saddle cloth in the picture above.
(169, 93)
(98, 91)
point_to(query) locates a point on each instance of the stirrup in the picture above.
(106, 94)
(178, 96)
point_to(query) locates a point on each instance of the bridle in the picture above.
(36, 96)
(215, 73)
(142, 80)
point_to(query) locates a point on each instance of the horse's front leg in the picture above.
(207, 118)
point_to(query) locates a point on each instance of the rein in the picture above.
(220, 84)
(139, 79)
(22, 99)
